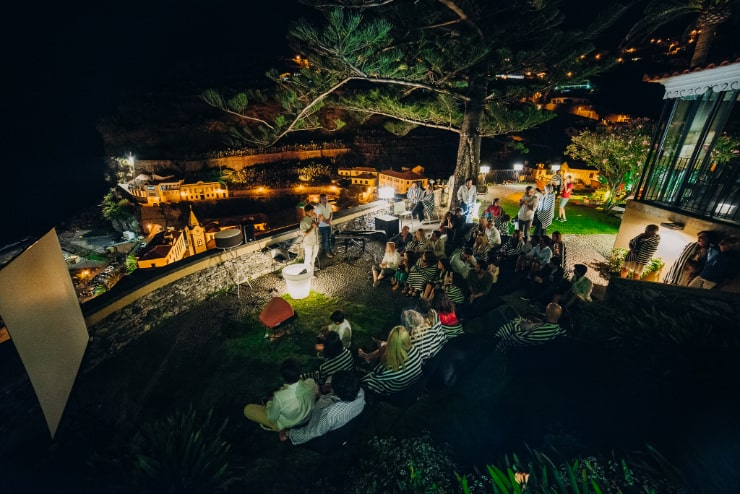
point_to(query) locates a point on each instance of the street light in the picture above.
(555, 168)
(484, 169)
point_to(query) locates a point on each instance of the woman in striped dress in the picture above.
(545, 211)
(559, 250)
(399, 366)
(424, 271)
(427, 200)
(642, 248)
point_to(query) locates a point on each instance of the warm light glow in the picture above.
(130, 159)
(298, 281)
(555, 167)
(387, 193)
(518, 167)
(484, 169)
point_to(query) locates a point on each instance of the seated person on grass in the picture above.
(546, 282)
(399, 366)
(579, 291)
(340, 325)
(332, 411)
(512, 330)
(336, 358)
(290, 405)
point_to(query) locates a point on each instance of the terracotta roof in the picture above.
(656, 78)
(407, 175)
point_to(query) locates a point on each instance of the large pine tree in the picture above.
(473, 67)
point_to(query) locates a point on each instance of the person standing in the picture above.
(310, 231)
(565, 192)
(426, 203)
(642, 248)
(557, 181)
(545, 211)
(466, 196)
(527, 206)
(691, 261)
(325, 215)
(413, 196)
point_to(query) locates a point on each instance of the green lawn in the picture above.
(582, 219)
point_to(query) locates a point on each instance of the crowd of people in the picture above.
(451, 277)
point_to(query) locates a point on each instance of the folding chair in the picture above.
(277, 317)
(399, 209)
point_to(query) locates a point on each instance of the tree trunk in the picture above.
(468, 149)
(701, 49)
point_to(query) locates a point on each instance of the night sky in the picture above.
(71, 64)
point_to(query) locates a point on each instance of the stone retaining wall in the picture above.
(120, 317)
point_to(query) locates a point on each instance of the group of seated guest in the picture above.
(452, 291)
(531, 260)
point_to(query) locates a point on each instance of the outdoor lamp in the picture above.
(298, 278)
(485, 169)
(518, 167)
(386, 193)
(555, 167)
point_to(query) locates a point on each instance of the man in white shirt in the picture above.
(527, 207)
(310, 231)
(325, 215)
(466, 197)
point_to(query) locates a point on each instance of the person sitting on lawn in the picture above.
(336, 357)
(462, 261)
(421, 273)
(579, 290)
(399, 364)
(402, 238)
(513, 330)
(426, 334)
(290, 405)
(546, 282)
(388, 265)
(438, 244)
(419, 243)
(445, 309)
(408, 259)
(340, 325)
(332, 411)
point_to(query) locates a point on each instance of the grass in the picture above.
(582, 219)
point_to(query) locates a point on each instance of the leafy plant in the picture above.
(403, 465)
(655, 264)
(587, 475)
(615, 262)
(180, 454)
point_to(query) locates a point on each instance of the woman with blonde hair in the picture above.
(388, 265)
(399, 366)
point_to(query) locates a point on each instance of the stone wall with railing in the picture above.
(131, 309)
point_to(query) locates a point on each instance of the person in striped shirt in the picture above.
(642, 248)
(520, 332)
(426, 334)
(399, 366)
(337, 358)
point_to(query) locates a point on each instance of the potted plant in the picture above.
(653, 270)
